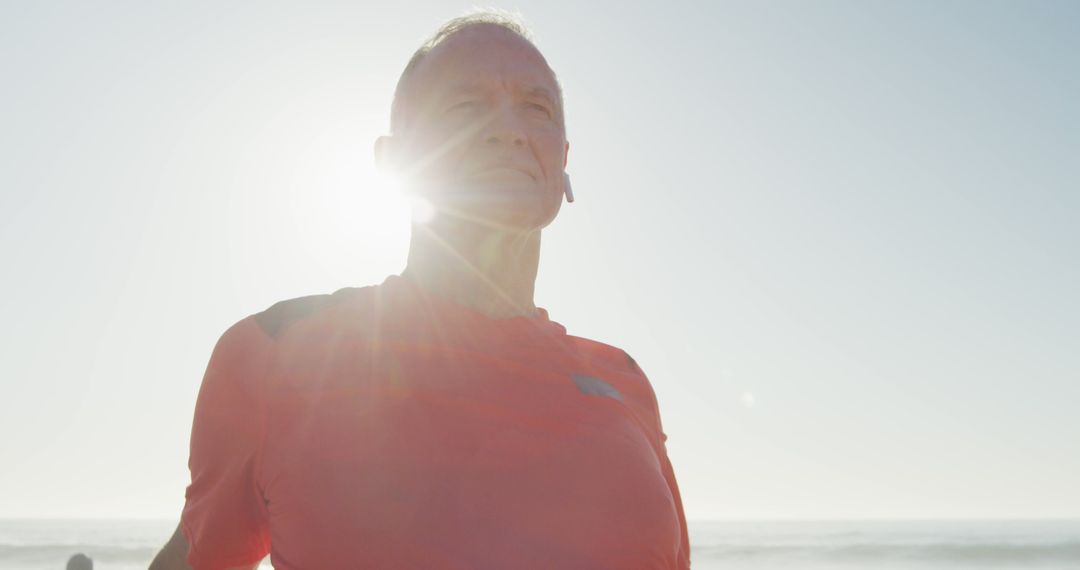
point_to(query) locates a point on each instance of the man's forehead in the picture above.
(480, 52)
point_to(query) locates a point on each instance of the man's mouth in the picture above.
(504, 172)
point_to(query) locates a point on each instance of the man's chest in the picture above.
(456, 460)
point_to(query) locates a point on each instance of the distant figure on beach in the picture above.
(438, 420)
(80, 562)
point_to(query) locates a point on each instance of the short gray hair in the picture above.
(506, 20)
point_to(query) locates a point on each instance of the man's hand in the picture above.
(174, 555)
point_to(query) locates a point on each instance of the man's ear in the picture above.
(565, 154)
(385, 154)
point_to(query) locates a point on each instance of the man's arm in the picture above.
(224, 520)
(174, 555)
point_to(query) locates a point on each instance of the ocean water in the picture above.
(886, 545)
(727, 545)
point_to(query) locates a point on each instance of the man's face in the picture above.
(484, 138)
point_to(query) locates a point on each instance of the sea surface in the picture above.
(715, 545)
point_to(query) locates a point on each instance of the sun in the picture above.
(343, 209)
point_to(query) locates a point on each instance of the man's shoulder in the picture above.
(282, 315)
(606, 355)
(615, 366)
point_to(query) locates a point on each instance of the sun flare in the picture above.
(343, 208)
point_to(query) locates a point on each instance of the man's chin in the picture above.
(503, 210)
(520, 206)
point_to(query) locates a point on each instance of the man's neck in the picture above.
(487, 270)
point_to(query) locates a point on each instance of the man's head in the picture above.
(477, 125)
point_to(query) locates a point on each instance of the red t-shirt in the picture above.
(384, 427)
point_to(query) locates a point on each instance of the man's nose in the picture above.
(504, 127)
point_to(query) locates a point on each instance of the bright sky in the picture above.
(840, 237)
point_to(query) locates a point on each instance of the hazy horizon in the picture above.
(690, 521)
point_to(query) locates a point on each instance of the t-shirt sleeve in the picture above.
(669, 475)
(224, 517)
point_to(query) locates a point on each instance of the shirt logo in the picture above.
(594, 386)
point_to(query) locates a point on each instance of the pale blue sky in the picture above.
(840, 237)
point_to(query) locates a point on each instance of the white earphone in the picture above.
(567, 189)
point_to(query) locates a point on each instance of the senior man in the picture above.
(439, 419)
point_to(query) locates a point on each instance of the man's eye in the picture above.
(465, 106)
(539, 109)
